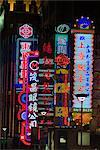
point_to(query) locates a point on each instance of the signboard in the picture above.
(62, 81)
(24, 44)
(27, 66)
(25, 31)
(46, 87)
(28, 97)
(83, 69)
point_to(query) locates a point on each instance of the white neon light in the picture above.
(63, 28)
(37, 63)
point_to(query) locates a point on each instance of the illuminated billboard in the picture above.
(83, 69)
(62, 78)
(28, 97)
(25, 43)
(27, 67)
(46, 86)
(22, 46)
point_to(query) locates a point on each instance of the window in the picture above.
(85, 138)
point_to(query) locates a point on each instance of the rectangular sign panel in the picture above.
(83, 76)
(27, 66)
(46, 86)
(83, 69)
(23, 45)
(62, 80)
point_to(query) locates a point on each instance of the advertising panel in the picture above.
(83, 70)
(62, 77)
(46, 87)
(27, 67)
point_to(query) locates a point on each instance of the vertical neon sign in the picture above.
(27, 98)
(62, 86)
(27, 66)
(46, 99)
(32, 93)
(83, 69)
(83, 57)
(25, 43)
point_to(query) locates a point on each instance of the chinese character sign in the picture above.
(61, 42)
(32, 88)
(83, 68)
(23, 46)
(46, 86)
(27, 98)
(31, 94)
(62, 80)
(27, 66)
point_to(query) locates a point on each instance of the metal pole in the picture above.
(81, 121)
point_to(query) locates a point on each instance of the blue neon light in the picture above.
(84, 22)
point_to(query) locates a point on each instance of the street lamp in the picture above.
(81, 98)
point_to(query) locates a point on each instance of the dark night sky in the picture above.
(72, 10)
(88, 8)
(68, 11)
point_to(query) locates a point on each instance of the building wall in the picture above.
(96, 84)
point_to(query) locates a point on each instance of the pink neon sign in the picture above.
(28, 97)
(45, 103)
(26, 31)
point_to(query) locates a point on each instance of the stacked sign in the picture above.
(27, 66)
(83, 68)
(62, 86)
(46, 84)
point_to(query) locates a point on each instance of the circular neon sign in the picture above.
(34, 65)
(84, 22)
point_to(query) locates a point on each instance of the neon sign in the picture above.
(28, 99)
(32, 88)
(61, 43)
(47, 48)
(83, 75)
(62, 60)
(83, 68)
(26, 31)
(61, 86)
(63, 28)
(46, 71)
(27, 66)
(34, 65)
(23, 46)
(84, 22)
(83, 78)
